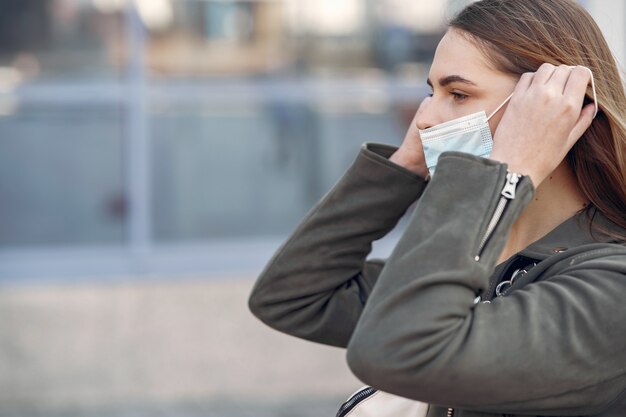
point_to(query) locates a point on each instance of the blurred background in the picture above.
(154, 154)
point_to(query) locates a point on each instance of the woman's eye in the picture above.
(458, 96)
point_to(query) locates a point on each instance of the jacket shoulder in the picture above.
(595, 255)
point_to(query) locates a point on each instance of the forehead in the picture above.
(457, 55)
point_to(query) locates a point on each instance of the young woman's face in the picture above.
(463, 82)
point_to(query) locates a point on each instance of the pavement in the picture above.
(183, 347)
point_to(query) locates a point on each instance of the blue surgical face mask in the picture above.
(470, 134)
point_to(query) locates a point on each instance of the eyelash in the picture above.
(455, 95)
(459, 96)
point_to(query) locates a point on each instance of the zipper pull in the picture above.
(511, 184)
(507, 193)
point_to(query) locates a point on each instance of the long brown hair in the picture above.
(518, 36)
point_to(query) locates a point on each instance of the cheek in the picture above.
(494, 122)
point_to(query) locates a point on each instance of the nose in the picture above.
(427, 114)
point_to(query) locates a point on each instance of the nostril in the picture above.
(423, 125)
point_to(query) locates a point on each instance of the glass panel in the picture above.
(341, 134)
(61, 123)
(248, 170)
(230, 171)
(61, 176)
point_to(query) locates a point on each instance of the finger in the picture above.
(559, 78)
(524, 82)
(584, 121)
(577, 83)
(576, 87)
(543, 74)
(593, 91)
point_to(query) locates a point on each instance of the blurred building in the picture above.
(149, 135)
(181, 135)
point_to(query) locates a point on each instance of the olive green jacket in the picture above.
(426, 324)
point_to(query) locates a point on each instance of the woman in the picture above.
(505, 293)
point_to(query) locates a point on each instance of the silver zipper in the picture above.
(355, 399)
(507, 194)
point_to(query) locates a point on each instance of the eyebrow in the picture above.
(443, 81)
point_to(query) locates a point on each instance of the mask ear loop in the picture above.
(506, 100)
(593, 89)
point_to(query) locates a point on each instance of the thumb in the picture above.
(583, 123)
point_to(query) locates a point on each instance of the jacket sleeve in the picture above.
(554, 347)
(315, 285)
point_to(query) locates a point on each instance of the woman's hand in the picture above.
(410, 155)
(543, 120)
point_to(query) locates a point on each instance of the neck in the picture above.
(556, 199)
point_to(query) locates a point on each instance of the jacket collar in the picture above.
(573, 232)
